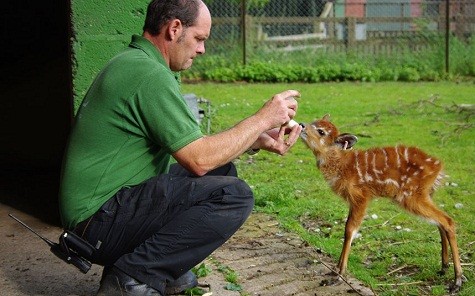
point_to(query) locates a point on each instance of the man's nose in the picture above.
(201, 49)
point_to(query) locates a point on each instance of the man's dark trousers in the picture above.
(158, 230)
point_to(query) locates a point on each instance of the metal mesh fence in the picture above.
(295, 30)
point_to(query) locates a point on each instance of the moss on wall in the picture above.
(100, 30)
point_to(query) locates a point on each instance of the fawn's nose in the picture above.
(302, 125)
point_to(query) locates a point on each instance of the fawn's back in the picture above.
(397, 172)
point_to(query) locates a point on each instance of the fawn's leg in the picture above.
(445, 250)
(424, 207)
(355, 217)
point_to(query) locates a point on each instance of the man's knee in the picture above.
(239, 193)
(235, 207)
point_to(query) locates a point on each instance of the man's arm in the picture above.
(210, 152)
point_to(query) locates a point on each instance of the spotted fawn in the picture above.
(407, 175)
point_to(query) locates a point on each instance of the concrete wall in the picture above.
(101, 29)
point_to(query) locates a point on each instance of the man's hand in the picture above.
(279, 110)
(278, 140)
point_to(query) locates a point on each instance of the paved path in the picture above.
(272, 262)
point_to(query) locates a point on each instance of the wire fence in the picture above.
(245, 31)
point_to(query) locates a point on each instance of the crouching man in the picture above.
(140, 182)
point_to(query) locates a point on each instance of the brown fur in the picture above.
(406, 175)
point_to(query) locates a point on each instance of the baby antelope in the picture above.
(406, 175)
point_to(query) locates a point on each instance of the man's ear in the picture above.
(175, 28)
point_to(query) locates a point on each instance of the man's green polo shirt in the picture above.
(130, 121)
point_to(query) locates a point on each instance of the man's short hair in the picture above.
(160, 12)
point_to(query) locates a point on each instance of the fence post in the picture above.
(350, 32)
(243, 30)
(447, 35)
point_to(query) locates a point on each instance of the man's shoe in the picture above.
(116, 282)
(186, 281)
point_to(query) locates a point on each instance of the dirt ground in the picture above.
(266, 259)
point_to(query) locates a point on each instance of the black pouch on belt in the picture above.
(74, 250)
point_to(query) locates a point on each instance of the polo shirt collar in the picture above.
(142, 43)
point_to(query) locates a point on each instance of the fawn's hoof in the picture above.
(443, 270)
(333, 281)
(457, 284)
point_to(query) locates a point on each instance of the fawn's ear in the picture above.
(346, 141)
(326, 117)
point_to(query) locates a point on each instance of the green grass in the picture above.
(292, 189)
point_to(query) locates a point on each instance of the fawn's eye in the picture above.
(320, 132)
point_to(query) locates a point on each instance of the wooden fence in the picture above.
(360, 34)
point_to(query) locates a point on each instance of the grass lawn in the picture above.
(396, 254)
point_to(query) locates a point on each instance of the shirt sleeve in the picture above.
(161, 114)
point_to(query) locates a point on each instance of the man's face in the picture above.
(191, 42)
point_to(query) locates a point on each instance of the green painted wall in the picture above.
(100, 30)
